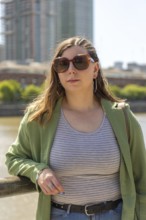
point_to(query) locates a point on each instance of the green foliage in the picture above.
(42, 87)
(31, 92)
(116, 90)
(10, 91)
(130, 92)
(134, 92)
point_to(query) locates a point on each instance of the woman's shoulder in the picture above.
(119, 105)
(25, 122)
(129, 115)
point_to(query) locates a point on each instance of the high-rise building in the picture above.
(74, 17)
(33, 27)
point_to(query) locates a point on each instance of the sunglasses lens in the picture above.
(81, 62)
(61, 64)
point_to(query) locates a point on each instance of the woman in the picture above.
(72, 143)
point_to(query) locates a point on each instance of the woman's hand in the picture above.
(49, 183)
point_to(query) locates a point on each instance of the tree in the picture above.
(31, 92)
(10, 91)
(134, 92)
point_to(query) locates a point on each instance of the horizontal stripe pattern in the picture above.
(87, 164)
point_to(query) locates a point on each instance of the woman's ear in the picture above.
(96, 68)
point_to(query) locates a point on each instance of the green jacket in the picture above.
(30, 152)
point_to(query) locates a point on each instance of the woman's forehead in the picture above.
(74, 50)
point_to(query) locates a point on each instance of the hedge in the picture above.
(130, 92)
(11, 91)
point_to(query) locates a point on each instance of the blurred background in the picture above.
(29, 33)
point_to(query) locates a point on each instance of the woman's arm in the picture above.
(20, 158)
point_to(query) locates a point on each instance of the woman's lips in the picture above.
(73, 80)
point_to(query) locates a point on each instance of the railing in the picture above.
(12, 186)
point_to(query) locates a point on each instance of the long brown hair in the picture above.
(44, 104)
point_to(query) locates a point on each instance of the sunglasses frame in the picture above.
(88, 58)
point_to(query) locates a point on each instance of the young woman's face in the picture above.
(74, 79)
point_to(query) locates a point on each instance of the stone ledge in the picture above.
(12, 109)
(138, 106)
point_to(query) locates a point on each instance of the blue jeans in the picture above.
(58, 214)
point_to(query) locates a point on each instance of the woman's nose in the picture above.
(71, 68)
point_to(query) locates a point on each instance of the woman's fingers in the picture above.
(50, 189)
(57, 184)
(49, 184)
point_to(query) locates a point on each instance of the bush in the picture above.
(134, 92)
(10, 91)
(31, 92)
(116, 90)
(130, 92)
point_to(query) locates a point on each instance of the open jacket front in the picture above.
(30, 153)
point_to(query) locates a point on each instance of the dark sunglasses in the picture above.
(80, 62)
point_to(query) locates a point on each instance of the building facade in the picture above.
(136, 67)
(76, 18)
(2, 52)
(33, 27)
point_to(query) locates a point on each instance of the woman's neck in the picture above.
(80, 102)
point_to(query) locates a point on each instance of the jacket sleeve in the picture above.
(20, 159)
(138, 158)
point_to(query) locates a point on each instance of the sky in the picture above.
(120, 31)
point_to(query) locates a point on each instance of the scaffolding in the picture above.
(27, 29)
(30, 29)
(12, 15)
